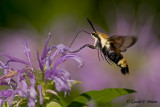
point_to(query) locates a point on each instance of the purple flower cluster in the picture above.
(30, 82)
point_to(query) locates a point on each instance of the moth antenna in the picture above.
(91, 25)
(76, 37)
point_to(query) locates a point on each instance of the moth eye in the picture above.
(94, 34)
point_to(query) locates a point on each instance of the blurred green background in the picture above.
(33, 20)
(41, 14)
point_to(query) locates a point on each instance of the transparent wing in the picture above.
(123, 42)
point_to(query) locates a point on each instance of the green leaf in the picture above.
(53, 104)
(101, 97)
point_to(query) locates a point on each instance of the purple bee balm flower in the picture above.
(59, 76)
(52, 72)
(28, 82)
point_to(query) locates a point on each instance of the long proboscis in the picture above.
(76, 37)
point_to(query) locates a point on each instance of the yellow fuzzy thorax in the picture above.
(102, 35)
(103, 38)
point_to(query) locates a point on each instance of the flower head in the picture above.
(32, 83)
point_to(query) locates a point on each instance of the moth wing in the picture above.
(123, 42)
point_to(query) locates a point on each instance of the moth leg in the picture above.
(86, 45)
(98, 55)
(107, 60)
(102, 55)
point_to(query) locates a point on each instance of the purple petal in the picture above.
(32, 78)
(23, 89)
(48, 62)
(1, 102)
(44, 53)
(27, 52)
(40, 94)
(6, 93)
(76, 58)
(59, 61)
(61, 85)
(31, 102)
(55, 54)
(48, 75)
(62, 48)
(40, 63)
(4, 83)
(51, 48)
(62, 79)
(15, 92)
(72, 56)
(33, 93)
(12, 86)
(13, 59)
(63, 73)
(22, 86)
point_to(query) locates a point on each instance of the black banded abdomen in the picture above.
(117, 58)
